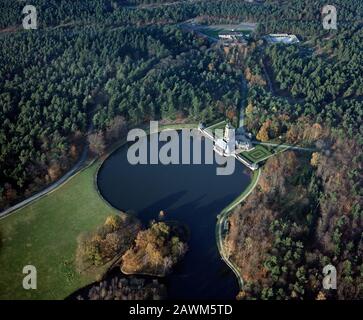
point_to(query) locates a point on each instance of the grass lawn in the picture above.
(221, 218)
(44, 234)
(258, 154)
(254, 180)
(214, 33)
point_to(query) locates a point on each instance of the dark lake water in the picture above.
(190, 194)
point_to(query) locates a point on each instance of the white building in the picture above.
(229, 134)
(243, 140)
(232, 37)
(244, 145)
(282, 38)
(230, 145)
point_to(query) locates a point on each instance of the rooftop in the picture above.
(282, 38)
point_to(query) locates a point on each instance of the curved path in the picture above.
(283, 146)
(224, 215)
(78, 166)
(221, 220)
(49, 188)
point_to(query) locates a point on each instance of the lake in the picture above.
(191, 194)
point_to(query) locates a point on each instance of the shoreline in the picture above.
(221, 217)
(224, 215)
(90, 169)
(124, 141)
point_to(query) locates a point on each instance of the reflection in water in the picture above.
(190, 194)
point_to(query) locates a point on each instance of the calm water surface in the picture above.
(190, 194)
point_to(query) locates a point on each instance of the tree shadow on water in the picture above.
(152, 211)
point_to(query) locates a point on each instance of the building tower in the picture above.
(229, 138)
(229, 134)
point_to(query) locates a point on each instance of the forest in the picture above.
(60, 85)
(156, 250)
(119, 288)
(94, 68)
(303, 216)
(302, 17)
(322, 82)
(93, 60)
(121, 241)
(306, 211)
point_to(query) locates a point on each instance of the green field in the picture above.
(44, 234)
(258, 154)
(211, 32)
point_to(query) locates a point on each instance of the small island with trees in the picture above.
(122, 242)
(94, 69)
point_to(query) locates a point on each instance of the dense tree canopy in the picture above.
(95, 67)
(300, 219)
(59, 83)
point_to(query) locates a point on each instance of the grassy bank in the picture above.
(45, 232)
(255, 177)
(223, 216)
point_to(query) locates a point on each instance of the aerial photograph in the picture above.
(159, 151)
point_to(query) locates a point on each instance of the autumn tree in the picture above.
(315, 159)
(108, 242)
(116, 128)
(263, 133)
(97, 143)
(155, 251)
(54, 170)
(249, 109)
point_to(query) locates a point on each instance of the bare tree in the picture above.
(97, 143)
(116, 128)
